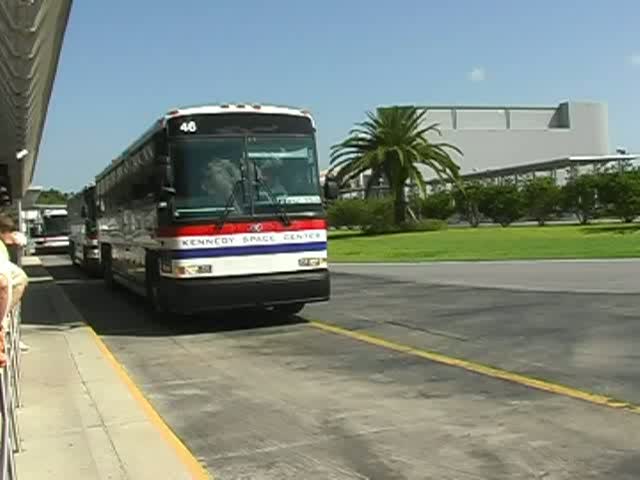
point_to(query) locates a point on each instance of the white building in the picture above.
(492, 137)
(507, 138)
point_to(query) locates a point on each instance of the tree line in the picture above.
(53, 196)
(394, 145)
(540, 199)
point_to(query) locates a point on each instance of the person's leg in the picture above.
(4, 308)
(19, 282)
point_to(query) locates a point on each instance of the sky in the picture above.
(125, 63)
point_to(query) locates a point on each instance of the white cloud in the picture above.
(478, 74)
(635, 59)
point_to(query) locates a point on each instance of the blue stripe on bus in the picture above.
(249, 250)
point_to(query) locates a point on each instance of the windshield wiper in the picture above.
(227, 207)
(283, 212)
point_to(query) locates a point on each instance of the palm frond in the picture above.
(443, 145)
(418, 178)
(393, 143)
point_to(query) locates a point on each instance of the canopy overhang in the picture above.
(31, 37)
(549, 165)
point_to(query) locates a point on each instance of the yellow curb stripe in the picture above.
(196, 470)
(481, 369)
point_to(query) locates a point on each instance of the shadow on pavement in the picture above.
(39, 310)
(122, 312)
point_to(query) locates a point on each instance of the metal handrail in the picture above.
(10, 397)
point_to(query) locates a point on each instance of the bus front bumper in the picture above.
(191, 296)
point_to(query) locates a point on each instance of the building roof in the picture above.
(31, 196)
(547, 165)
(473, 107)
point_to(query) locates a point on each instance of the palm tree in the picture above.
(392, 144)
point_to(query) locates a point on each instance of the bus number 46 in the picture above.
(188, 127)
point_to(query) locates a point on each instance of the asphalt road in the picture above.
(260, 398)
(574, 276)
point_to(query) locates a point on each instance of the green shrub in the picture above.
(378, 216)
(502, 203)
(619, 194)
(542, 198)
(438, 205)
(375, 216)
(347, 212)
(467, 201)
(580, 196)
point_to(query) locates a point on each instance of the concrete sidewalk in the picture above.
(82, 418)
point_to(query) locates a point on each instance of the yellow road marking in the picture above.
(196, 470)
(481, 369)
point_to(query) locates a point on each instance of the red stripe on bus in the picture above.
(244, 227)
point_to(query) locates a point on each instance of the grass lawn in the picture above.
(489, 243)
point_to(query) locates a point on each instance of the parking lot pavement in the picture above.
(584, 340)
(574, 276)
(273, 399)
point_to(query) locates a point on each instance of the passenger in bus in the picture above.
(269, 173)
(297, 181)
(219, 180)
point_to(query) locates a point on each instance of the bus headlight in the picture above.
(311, 261)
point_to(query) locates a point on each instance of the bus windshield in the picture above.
(247, 174)
(286, 168)
(206, 174)
(56, 226)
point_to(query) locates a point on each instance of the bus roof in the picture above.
(54, 212)
(48, 206)
(82, 191)
(211, 109)
(238, 108)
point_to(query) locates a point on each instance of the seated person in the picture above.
(10, 275)
(220, 179)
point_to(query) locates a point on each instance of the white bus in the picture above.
(217, 206)
(83, 237)
(50, 231)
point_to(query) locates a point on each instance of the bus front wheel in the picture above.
(154, 301)
(72, 253)
(107, 265)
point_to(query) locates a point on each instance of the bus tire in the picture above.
(86, 264)
(107, 268)
(154, 303)
(290, 309)
(72, 253)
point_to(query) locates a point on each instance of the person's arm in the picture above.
(5, 308)
(5, 298)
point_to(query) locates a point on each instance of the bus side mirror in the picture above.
(167, 193)
(331, 190)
